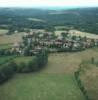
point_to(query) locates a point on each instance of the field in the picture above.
(3, 59)
(76, 33)
(5, 46)
(36, 19)
(41, 87)
(8, 39)
(89, 77)
(55, 82)
(18, 60)
(3, 31)
(83, 34)
(58, 32)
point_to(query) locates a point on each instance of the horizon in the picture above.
(49, 8)
(49, 3)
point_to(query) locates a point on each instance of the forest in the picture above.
(83, 19)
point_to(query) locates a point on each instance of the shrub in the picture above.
(92, 60)
(7, 71)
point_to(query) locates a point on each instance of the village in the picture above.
(34, 42)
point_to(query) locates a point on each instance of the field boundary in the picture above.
(80, 84)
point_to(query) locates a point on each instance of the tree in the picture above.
(64, 35)
(92, 60)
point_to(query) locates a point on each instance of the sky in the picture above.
(48, 3)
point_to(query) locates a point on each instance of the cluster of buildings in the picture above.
(34, 42)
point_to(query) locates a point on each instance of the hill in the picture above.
(83, 19)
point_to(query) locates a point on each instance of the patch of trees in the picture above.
(7, 71)
(36, 64)
(5, 52)
(10, 68)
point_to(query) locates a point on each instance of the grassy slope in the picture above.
(55, 82)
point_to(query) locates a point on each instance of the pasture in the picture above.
(8, 39)
(89, 77)
(41, 87)
(36, 20)
(3, 59)
(58, 32)
(83, 34)
(55, 82)
(5, 46)
(77, 33)
(3, 31)
(20, 59)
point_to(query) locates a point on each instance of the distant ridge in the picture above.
(50, 8)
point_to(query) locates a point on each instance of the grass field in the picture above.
(36, 20)
(3, 31)
(55, 82)
(89, 77)
(58, 32)
(5, 46)
(3, 59)
(83, 34)
(77, 33)
(18, 60)
(41, 87)
(7, 39)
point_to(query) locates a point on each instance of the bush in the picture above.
(7, 71)
(31, 66)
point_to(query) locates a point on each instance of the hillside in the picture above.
(83, 19)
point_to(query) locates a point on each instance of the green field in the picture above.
(20, 59)
(3, 59)
(41, 87)
(5, 46)
(55, 82)
(89, 77)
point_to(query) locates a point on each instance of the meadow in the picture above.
(36, 20)
(55, 82)
(9, 39)
(5, 46)
(89, 77)
(73, 32)
(4, 59)
(41, 87)
(20, 59)
(3, 31)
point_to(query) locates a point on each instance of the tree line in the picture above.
(9, 69)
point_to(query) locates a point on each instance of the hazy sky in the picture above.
(45, 3)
